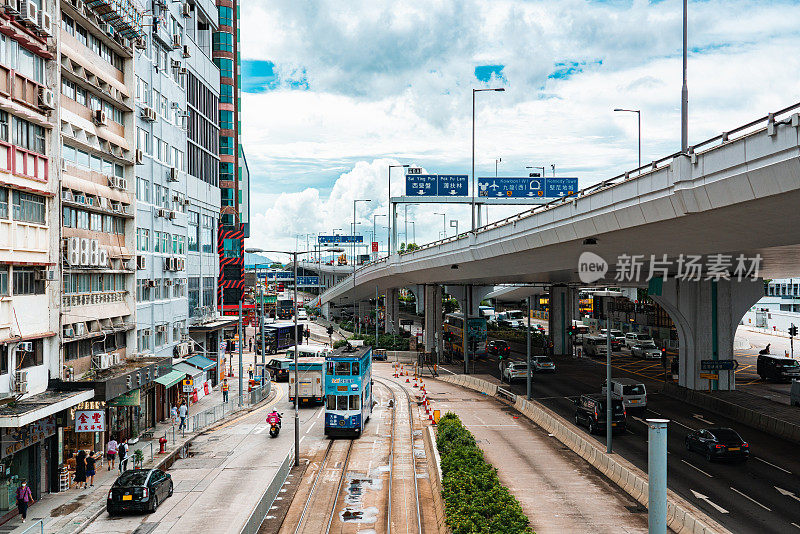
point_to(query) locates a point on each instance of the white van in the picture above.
(595, 346)
(306, 351)
(632, 338)
(511, 318)
(631, 392)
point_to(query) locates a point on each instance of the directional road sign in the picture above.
(433, 185)
(527, 187)
(323, 239)
(306, 281)
(719, 365)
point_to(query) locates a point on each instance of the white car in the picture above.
(542, 364)
(301, 314)
(515, 371)
(648, 351)
(632, 339)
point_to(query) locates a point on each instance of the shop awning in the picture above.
(41, 405)
(187, 369)
(171, 378)
(201, 362)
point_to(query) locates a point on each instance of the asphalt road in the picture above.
(744, 497)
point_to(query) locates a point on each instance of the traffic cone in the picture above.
(407, 381)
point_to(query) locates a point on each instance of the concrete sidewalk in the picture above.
(71, 511)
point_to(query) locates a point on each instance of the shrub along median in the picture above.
(475, 500)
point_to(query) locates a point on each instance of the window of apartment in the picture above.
(225, 119)
(223, 41)
(143, 141)
(143, 239)
(225, 16)
(207, 234)
(177, 330)
(25, 283)
(157, 290)
(28, 135)
(226, 93)
(230, 248)
(194, 231)
(68, 88)
(157, 241)
(80, 95)
(4, 280)
(194, 294)
(118, 226)
(4, 203)
(157, 195)
(142, 190)
(226, 145)
(4, 126)
(165, 242)
(143, 339)
(160, 337)
(175, 243)
(209, 287)
(28, 207)
(225, 67)
(35, 357)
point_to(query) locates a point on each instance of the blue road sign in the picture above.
(561, 187)
(511, 187)
(306, 281)
(453, 185)
(280, 275)
(323, 239)
(421, 185)
(719, 365)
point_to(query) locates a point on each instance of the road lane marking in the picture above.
(787, 493)
(684, 426)
(310, 427)
(795, 524)
(655, 412)
(702, 497)
(773, 465)
(697, 469)
(751, 499)
(699, 417)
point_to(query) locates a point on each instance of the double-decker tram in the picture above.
(348, 390)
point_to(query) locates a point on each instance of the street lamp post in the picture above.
(294, 255)
(444, 223)
(639, 118)
(405, 220)
(389, 236)
(499, 89)
(413, 233)
(534, 167)
(374, 234)
(496, 163)
(355, 310)
(685, 88)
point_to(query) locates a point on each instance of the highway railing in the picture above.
(766, 123)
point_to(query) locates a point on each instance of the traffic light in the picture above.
(330, 330)
(793, 331)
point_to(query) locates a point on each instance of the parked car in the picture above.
(777, 367)
(718, 443)
(279, 368)
(542, 364)
(648, 351)
(794, 393)
(616, 343)
(515, 371)
(498, 347)
(590, 411)
(632, 339)
(139, 490)
(632, 393)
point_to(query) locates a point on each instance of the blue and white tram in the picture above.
(348, 390)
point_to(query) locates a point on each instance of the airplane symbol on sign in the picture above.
(494, 186)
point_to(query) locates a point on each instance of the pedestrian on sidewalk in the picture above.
(111, 453)
(250, 371)
(80, 469)
(183, 411)
(90, 468)
(225, 389)
(123, 457)
(251, 344)
(173, 413)
(24, 499)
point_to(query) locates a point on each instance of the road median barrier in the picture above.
(682, 516)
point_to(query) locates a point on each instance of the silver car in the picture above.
(648, 351)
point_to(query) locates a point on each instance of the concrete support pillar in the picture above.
(419, 295)
(392, 311)
(326, 311)
(563, 309)
(433, 318)
(705, 314)
(478, 293)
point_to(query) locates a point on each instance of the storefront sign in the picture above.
(131, 398)
(90, 421)
(16, 439)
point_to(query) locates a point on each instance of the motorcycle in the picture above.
(274, 426)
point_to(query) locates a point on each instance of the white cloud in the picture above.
(391, 81)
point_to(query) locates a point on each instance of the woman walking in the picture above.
(90, 469)
(80, 469)
(24, 499)
(111, 453)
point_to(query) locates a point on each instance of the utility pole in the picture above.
(241, 343)
(685, 88)
(609, 411)
(529, 372)
(296, 374)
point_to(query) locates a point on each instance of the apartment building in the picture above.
(233, 177)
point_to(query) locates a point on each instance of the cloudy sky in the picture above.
(336, 91)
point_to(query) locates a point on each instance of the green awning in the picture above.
(201, 362)
(171, 378)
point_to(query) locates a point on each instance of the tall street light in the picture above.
(375, 235)
(639, 118)
(685, 88)
(355, 203)
(294, 255)
(413, 233)
(444, 224)
(499, 89)
(389, 236)
(405, 220)
(534, 167)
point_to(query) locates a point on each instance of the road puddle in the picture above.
(354, 511)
